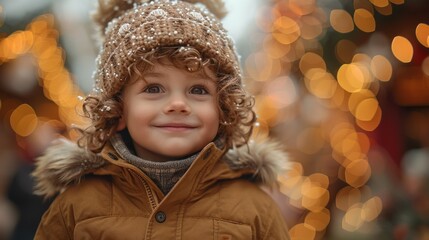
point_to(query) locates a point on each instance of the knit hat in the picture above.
(134, 26)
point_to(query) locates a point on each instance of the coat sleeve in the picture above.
(277, 228)
(55, 224)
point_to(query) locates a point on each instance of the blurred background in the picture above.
(343, 84)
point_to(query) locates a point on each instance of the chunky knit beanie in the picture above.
(128, 27)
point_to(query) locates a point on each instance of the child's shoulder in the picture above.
(89, 198)
(63, 164)
(264, 160)
(244, 191)
(90, 185)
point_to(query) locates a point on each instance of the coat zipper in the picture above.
(150, 195)
(152, 199)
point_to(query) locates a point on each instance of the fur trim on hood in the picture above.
(266, 158)
(65, 163)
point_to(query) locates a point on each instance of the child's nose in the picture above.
(177, 104)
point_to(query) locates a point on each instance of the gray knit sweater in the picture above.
(164, 174)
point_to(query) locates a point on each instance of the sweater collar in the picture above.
(164, 174)
(65, 163)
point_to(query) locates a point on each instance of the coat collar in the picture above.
(65, 163)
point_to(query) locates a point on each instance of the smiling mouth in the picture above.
(176, 127)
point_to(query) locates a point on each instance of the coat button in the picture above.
(160, 217)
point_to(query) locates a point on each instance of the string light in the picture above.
(41, 40)
(290, 50)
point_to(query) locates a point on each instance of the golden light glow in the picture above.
(274, 49)
(295, 194)
(338, 99)
(302, 231)
(381, 68)
(364, 20)
(23, 120)
(372, 208)
(16, 44)
(357, 173)
(402, 49)
(311, 27)
(296, 169)
(281, 91)
(297, 51)
(366, 109)
(361, 58)
(314, 197)
(41, 40)
(338, 134)
(261, 67)
(350, 147)
(380, 3)
(352, 77)
(265, 17)
(302, 7)
(318, 220)
(311, 60)
(347, 197)
(320, 180)
(266, 109)
(356, 98)
(364, 142)
(320, 83)
(341, 21)
(352, 220)
(292, 178)
(422, 34)
(40, 25)
(372, 124)
(286, 30)
(345, 94)
(290, 184)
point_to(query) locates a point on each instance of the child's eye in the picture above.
(153, 89)
(200, 90)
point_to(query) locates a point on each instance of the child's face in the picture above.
(170, 113)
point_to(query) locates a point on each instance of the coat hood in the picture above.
(65, 163)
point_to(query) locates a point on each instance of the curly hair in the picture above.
(235, 104)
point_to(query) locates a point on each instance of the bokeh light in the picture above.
(364, 20)
(422, 34)
(341, 21)
(23, 120)
(402, 49)
(381, 68)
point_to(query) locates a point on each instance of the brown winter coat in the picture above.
(217, 198)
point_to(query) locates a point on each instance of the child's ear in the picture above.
(121, 124)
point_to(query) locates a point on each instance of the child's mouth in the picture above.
(176, 127)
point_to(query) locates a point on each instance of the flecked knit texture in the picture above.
(148, 25)
(164, 174)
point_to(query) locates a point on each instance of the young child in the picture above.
(167, 155)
